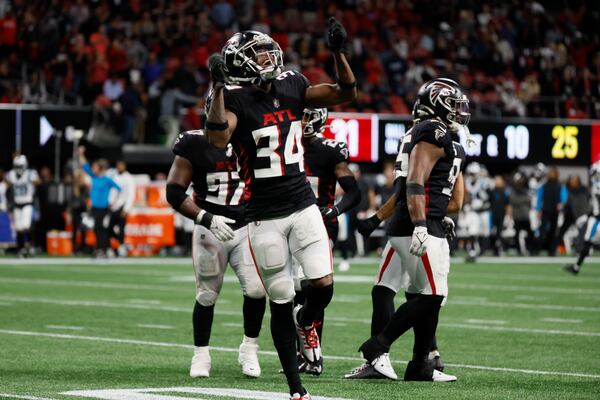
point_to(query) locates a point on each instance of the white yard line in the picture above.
(166, 261)
(155, 326)
(562, 320)
(329, 318)
(232, 324)
(520, 288)
(17, 396)
(526, 306)
(340, 279)
(272, 353)
(66, 327)
(520, 330)
(90, 284)
(486, 321)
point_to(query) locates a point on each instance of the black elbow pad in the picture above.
(175, 195)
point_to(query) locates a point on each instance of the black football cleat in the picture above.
(572, 268)
(424, 372)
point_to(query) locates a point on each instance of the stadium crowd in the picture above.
(143, 64)
(508, 209)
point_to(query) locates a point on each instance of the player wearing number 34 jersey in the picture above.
(259, 111)
(220, 238)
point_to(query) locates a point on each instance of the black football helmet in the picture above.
(444, 99)
(242, 52)
(314, 120)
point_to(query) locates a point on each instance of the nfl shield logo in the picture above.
(276, 103)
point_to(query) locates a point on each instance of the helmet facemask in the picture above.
(314, 120)
(260, 58)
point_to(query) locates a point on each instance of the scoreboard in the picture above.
(508, 142)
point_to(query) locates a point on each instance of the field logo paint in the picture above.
(154, 394)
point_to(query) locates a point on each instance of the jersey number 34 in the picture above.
(279, 154)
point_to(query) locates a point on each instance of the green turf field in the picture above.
(509, 331)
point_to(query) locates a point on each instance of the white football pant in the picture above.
(211, 256)
(273, 242)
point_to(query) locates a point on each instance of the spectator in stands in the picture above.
(99, 195)
(519, 206)
(551, 198)
(121, 204)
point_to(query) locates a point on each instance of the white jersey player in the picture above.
(22, 181)
(592, 226)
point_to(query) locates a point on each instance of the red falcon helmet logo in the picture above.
(438, 88)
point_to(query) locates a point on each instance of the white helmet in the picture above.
(20, 162)
(473, 169)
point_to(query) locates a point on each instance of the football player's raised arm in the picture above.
(458, 195)
(220, 122)
(347, 181)
(421, 161)
(180, 176)
(326, 94)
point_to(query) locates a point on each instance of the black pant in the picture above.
(100, 229)
(548, 229)
(525, 226)
(117, 225)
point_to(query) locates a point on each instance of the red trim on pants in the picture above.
(429, 272)
(386, 263)
(255, 264)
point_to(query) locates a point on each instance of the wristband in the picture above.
(217, 126)
(375, 219)
(420, 222)
(414, 189)
(204, 218)
(346, 85)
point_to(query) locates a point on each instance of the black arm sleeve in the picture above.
(176, 195)
(351, 196)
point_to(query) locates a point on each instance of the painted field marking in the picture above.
(233, 324)
(154, 394)
(486, 321)
(144, 301)
(23, 397)
(92, 284)
(528, 306)
(166, 262)
(66, 327)
(155, 326)
(332, 319)
(5, 303)
(272, 353)
(340, 279)
(562, 320)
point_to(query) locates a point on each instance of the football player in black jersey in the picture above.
(260, 112)
(429, 163)
(326, 164)
(220, 237)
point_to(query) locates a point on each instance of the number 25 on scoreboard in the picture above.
(566, 144)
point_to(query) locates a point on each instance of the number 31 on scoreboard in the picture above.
(566, 144)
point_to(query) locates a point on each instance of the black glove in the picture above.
(216, 67)
(336, 35)
(449, 228)
(366, 226)
(329, 213)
